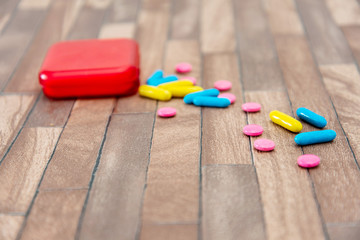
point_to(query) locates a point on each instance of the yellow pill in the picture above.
(286, 121)
(177, 83)
(154, 93)
(182, 91)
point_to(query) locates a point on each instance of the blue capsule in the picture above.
(311, 117)
(212, 92)
(156, 75)
(211, 102)
(314, 137)
(158, 81)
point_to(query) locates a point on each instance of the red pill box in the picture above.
(91, 68)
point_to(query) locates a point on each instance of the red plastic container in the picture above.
(91, 68)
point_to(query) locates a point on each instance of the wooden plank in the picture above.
(117, 30)
(115, 200)
(169, 232)
(10, 226)
(217, 36)
(54, 215)
(352, 34)
(349, 231)
(344, 12)
(78, 147)
(231, 203)
(6, 10)
(123, 11)
(185, 19)
(290, 209)
(222, 139)
(23, 167)
(326, 39)
(259, 66)
(34, 4)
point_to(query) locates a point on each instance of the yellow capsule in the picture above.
(176, 83)
(285, 121)
(182, 91)
(154, 93)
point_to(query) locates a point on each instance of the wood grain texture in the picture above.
(185, 19)
(113, 209)
(33, 4)
(344, 12)
(349, 231)
(222, 139)
(54, 215)
(10, 226)
(217, 36)
(289, 207)
(6, 10)
(78, 147)
(123, 11)
(231, 203)
(352, 34)
(117, 30)
(169, 232)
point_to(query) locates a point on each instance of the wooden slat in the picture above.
(169, 232)
(352, 34)
(185, 19)
(231, 203)
(260, 70)
(344, 12)
(117, 30)
(350, 231)
(223, 141)
(10, 226)
(78, 147)
(123, 11)
(6, 10)
(217, 36)
(54, 215)
(23, 167)
(289, 207)
(33, 4)
(114, 205)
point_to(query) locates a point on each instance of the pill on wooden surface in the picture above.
(156, 75)
(229, 96)
(158, 81)
(183, 67)
(182, 91)
(154, 93)
(204, 101)
(190, 79)
(176, 83)
(314, 137)
(311, 117)
(253, 130)
(166, 112)
(308, 161)
(264, 145)
(285, 121)
(223, 85)
(212, 92)
(251, 107)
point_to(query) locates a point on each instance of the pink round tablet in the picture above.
(183, 67)
(264, 145)
(166, 112)
(253, 130)
(229, 96)
(191, 79)
(251, 107)
(223, 85)
(308, 161)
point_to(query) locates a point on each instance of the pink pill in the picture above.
(308, 161)
(253, 130)
(251, 107)
(264, 145)
(183, 67)
(166, 112)
(223, 85)
(229, 96)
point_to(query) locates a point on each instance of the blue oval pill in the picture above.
(156, 75)
(158, 81)
(205, 101)
(311, 117)
(212, 92)
(314, 137)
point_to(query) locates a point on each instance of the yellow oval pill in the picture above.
(177, 83)
(285, 121)
(154, 93)
(182, 91)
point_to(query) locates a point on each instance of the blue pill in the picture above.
(156, 75)
(158, 81)
(212, 92)
(205, 101)
(311, 117)
(314, 137)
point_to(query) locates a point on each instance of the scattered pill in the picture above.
(314, 137)
(190, 79)
(205, 101)
(308, 161)
(183, 67)
(264, 145)
(251, 107)
(176, 83)
(285, 121)
(311, 117)
(166, 112)
(223, 85)
(212, 92)
(158, 81)
(182, 91)
(253, 130)
(154, 93)
(229, 96)
(156, 75)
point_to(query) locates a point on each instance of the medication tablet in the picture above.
(182, 91)
(158, 81)
(314, 137)
(285, 121)
(253, 130)
(251, 107)
(212, 92)
(156, 75)
(223, 85)
(211, 102)
(166, 112)
(182, 82)
(264, 145)
(229, 96)
(183, 67)
(308, 161)
(311, 117)
(190, 79)
(154, 93)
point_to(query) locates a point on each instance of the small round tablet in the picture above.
(253, 130)
(183, 67)
(166, 112)
(223, 85)
(264, 145)
(229, 96)
(191, 79)
(308, 161)
(251, 107)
